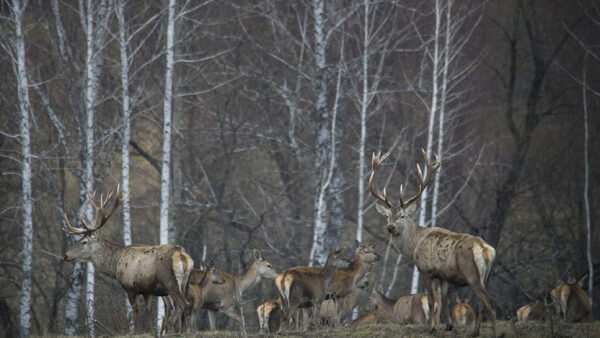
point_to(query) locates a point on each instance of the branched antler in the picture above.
(100, 216)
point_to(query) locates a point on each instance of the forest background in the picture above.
(236, 125)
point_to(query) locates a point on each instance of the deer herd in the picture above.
(321, 296)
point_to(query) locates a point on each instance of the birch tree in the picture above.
(586, 185)
(165, 178)
(16, 50)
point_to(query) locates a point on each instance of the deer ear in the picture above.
(582, 280)
(410, 210)
(382, 209)
(257, 254)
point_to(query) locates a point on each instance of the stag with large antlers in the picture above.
(148, 270)
(450, 257)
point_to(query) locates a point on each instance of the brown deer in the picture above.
(346, 284)
(375, 316)
(200, 283)
(148, 270)
(222, 296)
(305, 287)
(413, 309)
(532, 311)
(269, 315)
(462, 313)
(571, 302)
(335, 310)
(452, 258)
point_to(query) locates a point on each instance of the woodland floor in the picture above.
(505, 329)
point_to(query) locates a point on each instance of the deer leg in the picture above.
(134, 313)
(484, 299)
(444, 291)
(212, 319)
(305, 319)
(430, 300)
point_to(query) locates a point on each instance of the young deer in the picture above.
(462, 313)
(148, 270)
(305, 287)
(335, 310)
(269, 315)
(413, 309)
(532, 311)
(200, 283)
(222, 296)
(571, 303)
(346, 284)
(375, 316)
(450, 257)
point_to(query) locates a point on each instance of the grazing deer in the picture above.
(222, 296)
(571, 303)
(346, 284)
(462, 313)
(334, 310)
(532, 311)
(413, 309)
(269, 315)
(305, 287)
(452, 258)
(148, 270)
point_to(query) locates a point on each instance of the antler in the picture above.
(431, 168)
(101, 217)
(376, 161)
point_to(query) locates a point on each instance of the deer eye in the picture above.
(84, 242)
(269, 265)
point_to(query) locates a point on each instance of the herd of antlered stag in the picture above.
(316, 296)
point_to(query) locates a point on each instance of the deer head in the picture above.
(264, 268)
(212, 274)
(398, 216)
(366, 252)
(90, 243)
(337, 260)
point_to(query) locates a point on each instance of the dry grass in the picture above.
(505, 329)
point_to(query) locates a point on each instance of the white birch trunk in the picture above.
(434, 101)
(25, 139)
(166, 156)
(363, 127)
(125, 137)
(586, 188)
(317, 253)
(443, 94)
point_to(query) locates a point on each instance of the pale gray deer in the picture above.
(571, 302)
(305, 287)
(148, 270)
(223, 297)
(450, 257)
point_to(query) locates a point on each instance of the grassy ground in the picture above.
(505, 329)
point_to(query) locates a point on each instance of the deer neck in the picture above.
(385, 304)
(358, 268)
(409, 238)
(329, 272)
(105, 259)
(248, 280)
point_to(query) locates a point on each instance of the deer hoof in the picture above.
(449, 327)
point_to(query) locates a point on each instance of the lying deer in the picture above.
(222, 296)
(148, 270)
(532, 311)
(452, 258)
(375, 316)
(345, 288)
(571, 303)
(413, 309)
(305, 287)
(335, 310)
(462, 313)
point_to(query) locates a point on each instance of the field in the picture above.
(505, 329)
